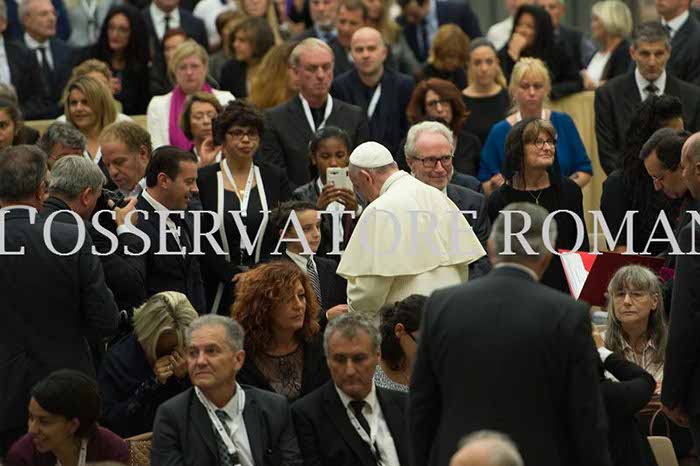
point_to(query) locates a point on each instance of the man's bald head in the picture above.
(368, 52)
(487, 448)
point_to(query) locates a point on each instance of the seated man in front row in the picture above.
(349, 421)
(217, 422)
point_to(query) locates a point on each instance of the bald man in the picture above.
(487, 448)
(680, 393)
(381, 93)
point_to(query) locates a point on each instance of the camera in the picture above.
(116, 197)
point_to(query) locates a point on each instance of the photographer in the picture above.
(76, 185)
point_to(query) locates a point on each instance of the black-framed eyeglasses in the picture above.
(431, 162)
(435, 102)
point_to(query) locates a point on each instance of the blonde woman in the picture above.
(273, 84)
(529, 88)
(189, 64)
(147, 367)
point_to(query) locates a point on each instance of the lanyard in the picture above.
(218, 426)
(310, 118)
(374, 101)
(371, 439)
(248, 186)
(82, 456)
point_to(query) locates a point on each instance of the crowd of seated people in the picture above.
(184, 216)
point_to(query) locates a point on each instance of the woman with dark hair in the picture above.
(198, 114)
(533, 36)
(330, 147)
(120, 46)
(448, 55)
(249, 41)
(63, 413)
(630, 188)
(530, 177)
(277, 308)
(11, 124)
(436, 98)
(237, 183)
(400, 330)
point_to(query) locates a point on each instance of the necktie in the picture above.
(313, 278)
(669, 30)
(424, 47)
(45, 67)
(651, 89)
(167, 24)
(357, 409)
(183, 237)
(226, 458)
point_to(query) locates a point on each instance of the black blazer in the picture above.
(681, 384)
(570, 40)
(124, 275)
(619, 61)
(285, 142)
(530, 336)
(183, 433)
(448, 11)
(233, 78)
(618, 100)
(34, 100)
(684, 63)
(215, 268)
(388, 125)
(173, 272)
(193, 26)
(314, 373)
(466, 199)
(341, 61)
(327, 437)
(50, 307)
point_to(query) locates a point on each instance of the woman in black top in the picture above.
(630, 188)
(237, 184)
(530, 177)
(533, 36)
(120, 45)
(249, 41)
(486, 96)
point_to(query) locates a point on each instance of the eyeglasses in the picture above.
(635, 295)
(199, 116)
(238, 133)
(431, 162)
(434, 103)
(541, 142)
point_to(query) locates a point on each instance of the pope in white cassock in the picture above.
(411, 238)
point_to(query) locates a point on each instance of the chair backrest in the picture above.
(140, 449)
(663, 451)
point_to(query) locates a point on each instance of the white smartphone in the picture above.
(339, 177)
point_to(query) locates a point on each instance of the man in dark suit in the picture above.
(684, 30)
(50, 304)
(579, 48)
(15, 30)
(352, 15)
(76, 185)
(420, 20)
(383, 94)
(218, 422)
(171, 181)
(323, 16)
(429, 151)
(617, 100)
(680, 393)
(290, 126)
(54, 56)
(350, 421)
(532, 348)
(162, 15)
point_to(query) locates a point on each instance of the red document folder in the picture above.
(588, 274)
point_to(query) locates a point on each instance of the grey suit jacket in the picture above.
(184, 435)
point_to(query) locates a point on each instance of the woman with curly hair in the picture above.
(277, 307)
(237, 184)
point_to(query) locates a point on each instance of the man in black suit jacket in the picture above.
(432, 140)
(350, 421)
(50, 304)
(54, 56)
(680, 393)
(352, 15)
(76, 185)
(323, 16)
(509, 354)
(381, 93)
(162, 15)
(32, 96)
(420, 22)
(290, 126)
(618, 99)
(217, 416)
(171, 181)
(684, 30)
(579, 48)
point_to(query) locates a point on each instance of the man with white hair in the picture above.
(487, 448)
(411, 239)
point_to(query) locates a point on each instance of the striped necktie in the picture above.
(313, 278)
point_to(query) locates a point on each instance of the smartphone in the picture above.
(339, 177)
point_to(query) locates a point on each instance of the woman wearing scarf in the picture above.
(189, 65)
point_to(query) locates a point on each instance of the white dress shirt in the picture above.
(158, 207)
(642, 83)
(158, 17)
(235, 416)
(5, 76)
(375, 418)
(300, 260)
(597, 65)
(34, 45)
(208, 11)
(676, 23)
(499, 33)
